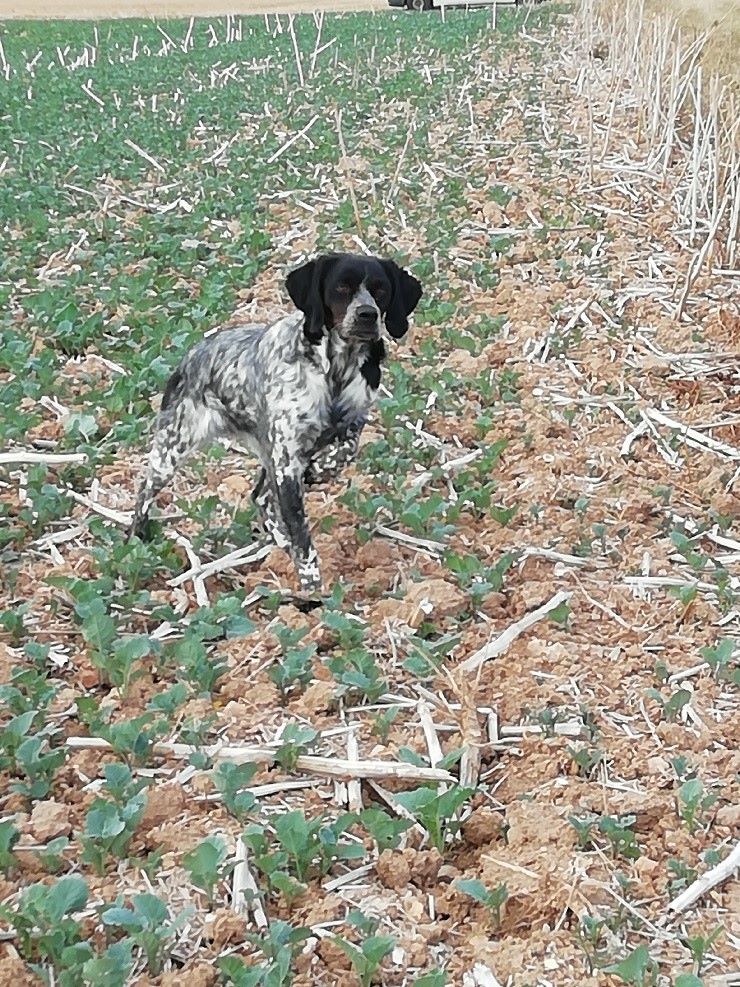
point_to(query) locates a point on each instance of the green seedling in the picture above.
(313, 843)
(50, 857)
(279, 945)
(425, 658)
(682, 874)
(621, 838)
(273, 864)
(670, 707)
(38, 764)
(385, 829)
(589, 934)
(9, 836)
(491, 900)
(148, 925)
(348, 630)
(132, 740)
(587, 759)
(357, 675)
(295, 741)
(437, 813)
(722, 661)
(44, 927)
(29, 689)
(204, 864)
(435, 978)
(367, 957)
(699, 946)
(110, 823)
(13, 623)
(26, 754)
(477, 578)
(584, 827)
(200, 669)
(693, 803)
(293, 669)
(383, 721)
(696, 560)
(235, 973)
(681, 767)
(638, 969)
(232, 781)
(112, 968)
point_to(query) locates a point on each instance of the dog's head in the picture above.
(354, 295)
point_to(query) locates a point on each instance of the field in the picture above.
(505, 748)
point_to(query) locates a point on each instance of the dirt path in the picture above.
(95, 9)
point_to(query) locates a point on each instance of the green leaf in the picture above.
(103, 821)
(633, 968)
(234, 971)
(435, 978)
(123, 918)
(474, 889)
(151, 909)
(67, 895)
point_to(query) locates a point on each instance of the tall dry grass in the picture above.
(719, 18)
(687, 112)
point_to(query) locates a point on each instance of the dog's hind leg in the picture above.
(181, 428)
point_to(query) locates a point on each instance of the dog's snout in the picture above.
(367, 314)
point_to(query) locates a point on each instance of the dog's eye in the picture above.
(343, 289)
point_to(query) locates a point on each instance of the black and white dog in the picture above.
(297, 393)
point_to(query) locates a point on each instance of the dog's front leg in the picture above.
(333, 457)
(288, 486)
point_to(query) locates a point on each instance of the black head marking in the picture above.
(305, 287)
(405, 298)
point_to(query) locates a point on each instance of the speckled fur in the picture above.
(297, 393)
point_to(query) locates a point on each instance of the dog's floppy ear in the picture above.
(305, 287)
(405, 298)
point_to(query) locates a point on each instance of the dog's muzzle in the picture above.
(366, 322)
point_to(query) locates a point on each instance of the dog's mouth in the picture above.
(365, 333)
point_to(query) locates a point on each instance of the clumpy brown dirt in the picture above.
(570, 723)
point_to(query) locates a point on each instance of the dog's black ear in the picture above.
(305, 287)
(405, 298)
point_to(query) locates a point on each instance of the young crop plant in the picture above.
(367, 957)
(273, 864)
(110, 823)
(295, 740)
(315, 844)
(148, 926)
(205, 863)
(437, 812)
(232, 781)
(492, 900)
(385, 829)
(27, 756)
(47, 935)
(293, 669)
(723, 659)
(638, 969)
(693, 803)
(9, 836)
(477, 578)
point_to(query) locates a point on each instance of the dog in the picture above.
(296, 393)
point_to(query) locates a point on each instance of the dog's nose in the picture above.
(366, 314)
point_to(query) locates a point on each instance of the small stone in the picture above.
(728, 815)
(50, 819)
